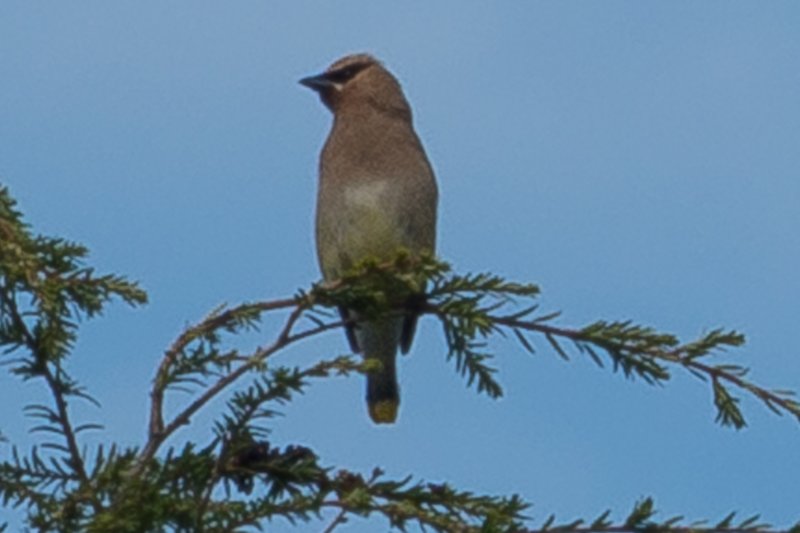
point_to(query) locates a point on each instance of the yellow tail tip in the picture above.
(383, 412)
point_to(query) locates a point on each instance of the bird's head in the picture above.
(358, 80)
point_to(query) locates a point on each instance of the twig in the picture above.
(655, 529)
(156, 425)
(338, 519)
(284, 339)
(76, 459)
(676, 356)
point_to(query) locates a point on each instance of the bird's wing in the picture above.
(414, 306)
(350, 330)
(407, 334)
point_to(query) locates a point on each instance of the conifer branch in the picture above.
(641, 519)
(46, 290)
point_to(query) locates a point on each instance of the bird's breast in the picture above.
(368, 195)
(358, 221)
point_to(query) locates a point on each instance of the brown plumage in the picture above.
(377, 195)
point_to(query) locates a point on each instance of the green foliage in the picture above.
(642, 519)
(239, 479)
(45, 290)
(461, 303)
(471, 308)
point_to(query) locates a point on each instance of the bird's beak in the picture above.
(317, 83)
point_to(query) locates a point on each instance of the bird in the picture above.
(377, 194)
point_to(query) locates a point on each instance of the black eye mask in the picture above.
(345, 74)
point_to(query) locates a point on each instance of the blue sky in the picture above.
(637, 160)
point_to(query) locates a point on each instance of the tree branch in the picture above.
(212, 323)
(284, 339)
(681, 355)
(57, 390)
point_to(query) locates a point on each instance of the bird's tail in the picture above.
(379, 340)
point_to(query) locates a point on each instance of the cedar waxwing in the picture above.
(377, 195)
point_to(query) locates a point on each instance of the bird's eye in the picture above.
(345, 74)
